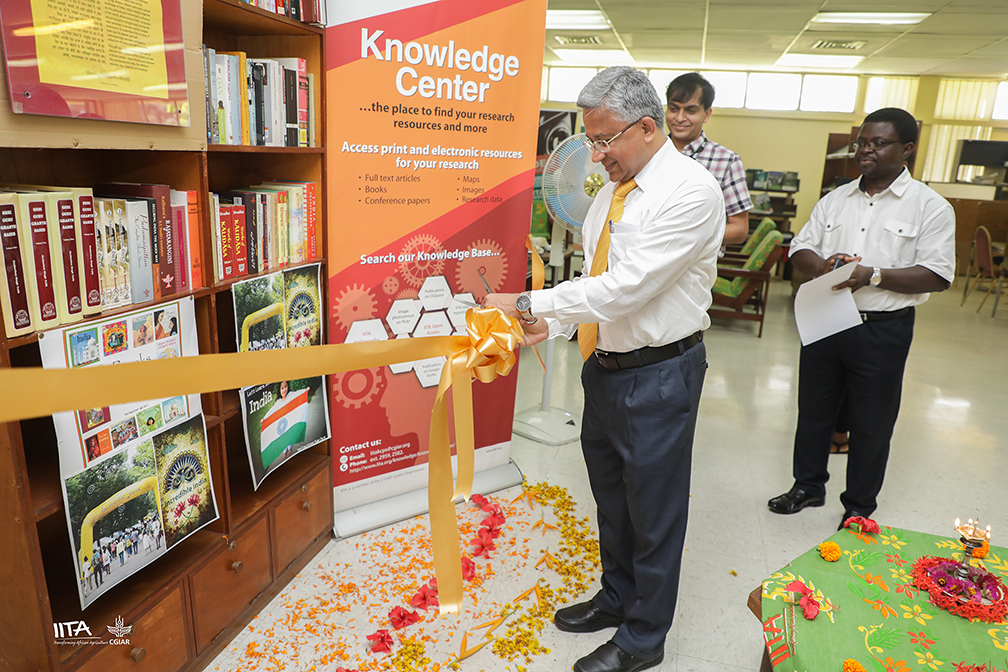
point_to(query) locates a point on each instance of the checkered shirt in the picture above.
(726, 167)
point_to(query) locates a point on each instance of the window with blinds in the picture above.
(938, 164)
(898, 92)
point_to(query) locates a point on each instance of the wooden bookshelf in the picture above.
(187, 605)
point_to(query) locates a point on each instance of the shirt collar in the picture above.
(693, 148)
(643, 177)
(898, 186)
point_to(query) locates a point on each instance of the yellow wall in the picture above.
(777, 143)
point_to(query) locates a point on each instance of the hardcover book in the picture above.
(13, 282)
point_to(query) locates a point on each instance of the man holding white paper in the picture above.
(900, 233)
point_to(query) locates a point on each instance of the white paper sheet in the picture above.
(822, 312)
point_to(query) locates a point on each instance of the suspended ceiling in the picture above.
(962, 37)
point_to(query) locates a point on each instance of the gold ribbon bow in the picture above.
(493, 338)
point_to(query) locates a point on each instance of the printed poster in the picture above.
(432, 150)
(121, 60)
(135, 477)
(282, 419)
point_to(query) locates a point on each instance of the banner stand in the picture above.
(408, 505)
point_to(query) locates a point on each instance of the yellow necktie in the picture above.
(588, 333)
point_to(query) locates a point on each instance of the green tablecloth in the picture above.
(872, 612)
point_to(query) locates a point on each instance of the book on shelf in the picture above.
(296, 100)
(195, 267)
(226, 233)
(42, 254)
(750, 177)
(141, 269)
(759, 179)
(179, 238)
(165, 255)
(312, 140)
(237, 87)
(790, 181)
(14, 300)
(257, 102)
(761, 203)
(773, 180)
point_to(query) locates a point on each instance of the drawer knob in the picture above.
(306, 506)
(237, 566)
(138, 654)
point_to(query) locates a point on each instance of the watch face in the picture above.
(523, 303)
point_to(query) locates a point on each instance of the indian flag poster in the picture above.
(281, 420)
(273, 311)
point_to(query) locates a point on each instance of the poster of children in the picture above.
(111, 457)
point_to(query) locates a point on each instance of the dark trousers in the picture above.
(866, 364)
(637, 438)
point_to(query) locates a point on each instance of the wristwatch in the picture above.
(876, 276)
(523, 304)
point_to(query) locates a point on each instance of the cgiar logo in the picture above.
(78, 633)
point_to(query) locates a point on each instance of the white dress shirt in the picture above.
(662, 260)
(906, 225)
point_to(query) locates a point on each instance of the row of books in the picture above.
(771, 180)
(307, 11)
(263, 227)
(71, 252)
(258, 101)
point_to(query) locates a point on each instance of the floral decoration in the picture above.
(400, 618)
(963, 667)
(830, 551)
(982, 551)
(864, 524)
(808, 602)
(382, 641)
(424, 598)
(851, 665)
(468, 569)
(937, 577)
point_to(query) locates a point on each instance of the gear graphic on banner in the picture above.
(493, 267)
(420, 267)
(390, 285)
(354, 389)
(354, 303)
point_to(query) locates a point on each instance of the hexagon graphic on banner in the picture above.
(366, 330)
(457, 311)
(403, 315)
(435, 293)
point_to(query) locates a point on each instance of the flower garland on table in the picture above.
(937, 577)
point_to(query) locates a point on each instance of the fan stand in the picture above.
(551, 426)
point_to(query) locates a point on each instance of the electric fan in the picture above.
(570, 181)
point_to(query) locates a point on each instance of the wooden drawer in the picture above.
(301, 518)
(226, 585)
(156, 644)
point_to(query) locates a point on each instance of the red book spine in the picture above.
(16, 289)
(68, 249)
(227, 243)
(166, 241)
(92, 285)
(195, 256)
(179, 226)
(43, 260)
(238, 236)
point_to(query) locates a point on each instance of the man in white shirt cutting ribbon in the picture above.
(651, 241)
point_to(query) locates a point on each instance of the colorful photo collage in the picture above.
(282, 419)
(136, 476)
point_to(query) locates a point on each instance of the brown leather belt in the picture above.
(615, 361)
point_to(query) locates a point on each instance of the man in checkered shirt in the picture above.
(690, 98)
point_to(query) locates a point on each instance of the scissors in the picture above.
(483, 280)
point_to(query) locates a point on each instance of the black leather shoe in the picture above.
(585, 617)
(611, 658)
(794, 500)
(849, 514)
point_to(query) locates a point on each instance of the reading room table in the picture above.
(870, 611)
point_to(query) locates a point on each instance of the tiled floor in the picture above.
(948, 460)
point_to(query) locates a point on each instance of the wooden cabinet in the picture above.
(230, 581)
(189, 603)
(157, 641)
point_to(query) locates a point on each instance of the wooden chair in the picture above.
(736, 288)
(736, 257)
(988, 268)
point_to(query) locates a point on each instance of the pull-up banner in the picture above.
(432, 118)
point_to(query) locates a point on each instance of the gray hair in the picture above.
(624, 92)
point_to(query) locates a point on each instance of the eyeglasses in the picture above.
(602, 146)
(873, 145)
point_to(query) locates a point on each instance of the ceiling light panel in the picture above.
(818, 61)
(575, 19)
(871, 18)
